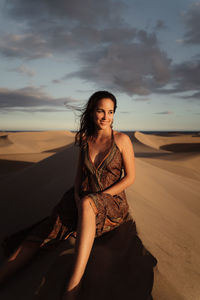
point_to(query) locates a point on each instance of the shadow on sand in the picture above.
(119, 267)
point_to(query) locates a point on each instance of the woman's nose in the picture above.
(105, 116)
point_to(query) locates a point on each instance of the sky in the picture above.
(55, 54)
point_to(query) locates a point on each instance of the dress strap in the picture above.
(113, 138)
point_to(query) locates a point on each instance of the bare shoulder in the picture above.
(122, 140)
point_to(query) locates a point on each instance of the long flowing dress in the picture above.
(114, 226)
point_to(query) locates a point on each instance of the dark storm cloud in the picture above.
(30, 97)
(192, 22)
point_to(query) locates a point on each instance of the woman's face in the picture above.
(103, 113)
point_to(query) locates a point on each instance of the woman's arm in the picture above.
(125, 145)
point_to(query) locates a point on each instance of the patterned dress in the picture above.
(110, 211)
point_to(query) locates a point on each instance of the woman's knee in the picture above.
(85, 204)
(25, 248)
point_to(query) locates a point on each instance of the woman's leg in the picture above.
(18, 259)
(85, 237)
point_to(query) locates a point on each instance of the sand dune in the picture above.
(22, 149)
(186, 165)
(164, 201)
(34, 142)
(178, 162)
(173, 143)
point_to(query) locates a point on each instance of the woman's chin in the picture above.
(104, 126)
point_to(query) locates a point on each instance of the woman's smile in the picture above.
(103, 115)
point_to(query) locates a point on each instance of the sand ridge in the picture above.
(159, 141)
(33, 142)
(19, 150)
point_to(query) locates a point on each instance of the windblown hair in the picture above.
(87, 126)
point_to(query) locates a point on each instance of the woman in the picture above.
(97, 203)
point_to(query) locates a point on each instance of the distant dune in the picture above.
(21, 149)
(184, 160)
(34, 142)
(164, 201)
(173, 143)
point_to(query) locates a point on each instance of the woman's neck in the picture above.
(102, 134)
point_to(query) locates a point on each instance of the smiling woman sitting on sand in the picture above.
(96, 204)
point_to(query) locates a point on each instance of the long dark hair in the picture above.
(87, 126)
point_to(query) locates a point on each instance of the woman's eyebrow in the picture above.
(99, 108)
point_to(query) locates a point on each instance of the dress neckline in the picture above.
(105, 157)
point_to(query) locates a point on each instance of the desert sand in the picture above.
(38, 167)
(22, 149)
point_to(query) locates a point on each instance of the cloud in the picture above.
(141, 99)
(47, 11)
(185, 77)
(111, 53)
(164, 113)
(56, 81)
(26, 46)
(160, 25)
(31, 98)
(24, 70)
(125, 112)
(60, 26)
(132, 67)
(32, 110)
(195, 95)
(191, 20)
